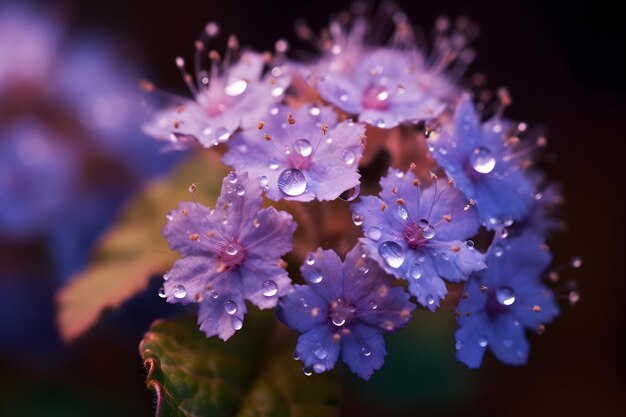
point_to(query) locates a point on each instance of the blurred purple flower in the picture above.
(484, 164)
(419, 234)
(229, 254)
(345, 308)
(504, 300)
(301, 154)
(231, 95)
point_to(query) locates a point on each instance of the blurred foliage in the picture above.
(133, 250)
(251, 375)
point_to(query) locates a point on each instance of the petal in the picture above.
(429, 289)
(455, 261)
(302, 308)
(239, 203)
(221, 313)
(507, 340)
(271, 234)
(325, 274)
(190, 276)
(318, 348)
(187, 230)
(363, 349)
(530, 296)
(264, 282)
(470, 340)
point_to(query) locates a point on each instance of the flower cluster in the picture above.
(297, 131)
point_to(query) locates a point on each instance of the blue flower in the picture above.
(228, 97)
(504, 300)
(302, 154)
(485, 165)
(420, 233)
(228, 254)
(344, 309)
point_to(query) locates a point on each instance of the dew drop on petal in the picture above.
(402, 212)
(273, 164)
(392, 253)
(482, 160)
(310, 259)
(350, 194)
(222, 134)
(270, 288)
(374, 233)
(303, 147)
(319, 368)
(416, 271)
(292, 182)
(179, 291)
(263, 181)
(315, 276)
(366, 351)
(166, 276)
(162, 292)
(314, 111)
(430, 299)
(232, 178)
(357, 219)
(505, 296)
(230, 307)
(458, 345)
(231, 250)
(237, 323)
(295, 356)
(348, 156)
(482, 341)
(498, 250)
(240, 190)
(236, 88)
(308, 371)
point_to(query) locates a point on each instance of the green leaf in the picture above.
(134, 250)
(251, 375)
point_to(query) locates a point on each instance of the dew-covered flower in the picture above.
(391, 84)
(228, 254)
(345, 308)
(229, 96)
(486, 164)
(301, 154)
(504, 300)
(420, 233)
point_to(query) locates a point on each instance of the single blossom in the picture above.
(486, 164)
(301, 154)
(228, 96)
(228, 254)
(504, 300)
(420, 233)
(344, 309)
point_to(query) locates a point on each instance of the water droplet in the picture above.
(232, 178)
(469, 244)
(179, 291)
(169, 217)
(343, 98)
(374, 233)
(382, 96)
(296, 356)
(231, 250)
(357, 219)
(222, 134)
(458, 345)
(315, 276)
(162, 292)
(348, 156)
(270, 288)
(482, 341)
(310, 259)
(319, 351)
(338, 320)
(303, 147)
(292, 182)
(166, 276)
(416, 271)
(366, 351)
(314, 111)
(402, 212)
(504, 233)
(319, 368)
(498, 250)
(237, 323)
(505, 296)
(241, 190)
(483, 160)
(230, 307)
(236, 88)
(430, 299)
(428, 231)
(277, 91)
(308, 371)
(273, 164)
(350, 194)
(373, 305)
(392, 253)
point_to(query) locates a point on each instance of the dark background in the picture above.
(565, 66)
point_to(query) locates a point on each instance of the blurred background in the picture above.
(71, 154)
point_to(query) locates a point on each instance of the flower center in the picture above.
(341, 312)
(232, 254)
(375, 97)
(500, 301)
(418, 235)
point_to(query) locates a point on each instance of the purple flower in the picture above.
(345, 309)
(229, 96)
(485, 164)
(419, 234)
(301, 154)
(229, 254)
(504, 300)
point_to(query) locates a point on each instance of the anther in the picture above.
(537, 308)
(194, 237)
(267, 137)
(290, 119)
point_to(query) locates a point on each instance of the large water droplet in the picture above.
(348, 156)
(416, 271)
(303, 147)
(315, 276)
(230, 307)
(483, 160)
(292, 182)
(269, 288)
(505, 296)
(179, 291)
(236, 88)
(350, 194)
(402, 212)
(392, 253)
(374, 233)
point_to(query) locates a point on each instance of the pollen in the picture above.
(261, 125)
(194, 237)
